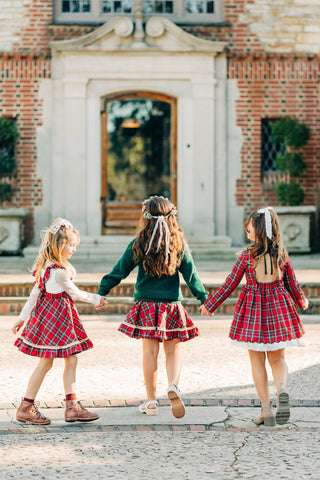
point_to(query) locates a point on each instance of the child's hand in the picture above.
(306, 304)
(16, 327)
(204, 311)
(103, 303)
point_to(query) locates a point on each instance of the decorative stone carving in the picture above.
(155, 27)
(123, 27)
(295, 224)
(4, 234)
(11, 229)
(292, 231)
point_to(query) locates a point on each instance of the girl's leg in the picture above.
(260, 378)
(259, 374)
(28, 410)
(173, 360)
(173, 366)
(37, 377)
(150, 367)
(279, 367)
(280, 375)
(69, 374)
(74, 410)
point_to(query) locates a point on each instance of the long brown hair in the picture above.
(52, 246)
(262, 243)
(154, 263)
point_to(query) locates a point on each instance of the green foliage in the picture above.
(6, 192)
(8, 138)
(289, 131)
(291, 162)
(294, 135)
(290, 193)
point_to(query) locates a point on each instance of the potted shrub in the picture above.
(10, 218)
(294, 219)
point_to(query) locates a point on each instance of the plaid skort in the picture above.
(159, 321)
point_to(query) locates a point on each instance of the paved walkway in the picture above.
(216, 439)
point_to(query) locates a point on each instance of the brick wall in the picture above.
(271, 86)
(20, 78)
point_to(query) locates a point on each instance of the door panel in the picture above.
(138, 156)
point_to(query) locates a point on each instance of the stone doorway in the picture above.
(139, 156)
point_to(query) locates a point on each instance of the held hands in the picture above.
(306, 304)
(103, 303)
(16, 327)
(204, 311)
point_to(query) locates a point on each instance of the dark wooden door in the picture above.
(139, 156)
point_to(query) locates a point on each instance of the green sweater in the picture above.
(152, 289)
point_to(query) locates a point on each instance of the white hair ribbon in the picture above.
(161, 224)
(61, 223)
(267, 219)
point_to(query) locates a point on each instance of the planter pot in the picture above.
(11, 230)
(295, 226)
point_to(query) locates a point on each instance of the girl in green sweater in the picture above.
(160, 252)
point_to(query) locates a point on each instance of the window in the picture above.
(269, 149)
(100, 11)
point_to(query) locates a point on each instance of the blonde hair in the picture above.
(52, 246)
(154, 263)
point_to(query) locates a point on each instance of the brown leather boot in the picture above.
(29, 413)
(75, 411)
(266, 417)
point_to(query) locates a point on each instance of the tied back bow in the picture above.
(161, 224)
(267, 219)
(61, 223)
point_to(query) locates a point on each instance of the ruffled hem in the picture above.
(55, 352)
(267, 347)
(183, 335)
(160, 321)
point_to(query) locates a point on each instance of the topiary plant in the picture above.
(8, 164)
(294, 136)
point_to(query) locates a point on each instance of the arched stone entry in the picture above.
(139, 156)
(114, 59)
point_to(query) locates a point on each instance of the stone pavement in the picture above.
(216, 439)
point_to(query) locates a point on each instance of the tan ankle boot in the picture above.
(266, 417)
(75, 412)
(283, 408)
(29, 413)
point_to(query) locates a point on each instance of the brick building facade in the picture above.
(272, 69)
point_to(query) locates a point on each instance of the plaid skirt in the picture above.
(159, 321)
(265, 318)
(54, 329)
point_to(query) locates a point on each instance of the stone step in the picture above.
(121, 304)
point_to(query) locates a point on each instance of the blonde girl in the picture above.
(53, 328)
(265, 320)
(160, 252)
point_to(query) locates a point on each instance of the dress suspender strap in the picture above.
(265, 264)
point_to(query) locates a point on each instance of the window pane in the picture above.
(139, 149)
(199, 6)
(117, 6)
(158, 6)
(269, 148)
(66, 6)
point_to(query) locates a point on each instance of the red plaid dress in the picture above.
(54, 328)
(265, 317)
(159, 321)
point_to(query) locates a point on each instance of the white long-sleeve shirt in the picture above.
(58, 282)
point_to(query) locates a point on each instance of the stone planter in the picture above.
(295, 226)
(11, 230)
